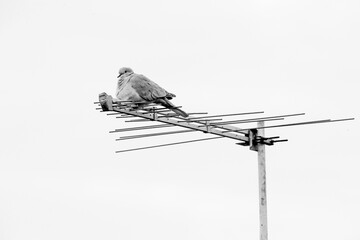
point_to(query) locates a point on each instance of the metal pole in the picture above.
(262, 184)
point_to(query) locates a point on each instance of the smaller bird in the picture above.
(138, 88)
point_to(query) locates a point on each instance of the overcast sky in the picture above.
(60, 177)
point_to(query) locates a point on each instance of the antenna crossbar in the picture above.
(150, 112)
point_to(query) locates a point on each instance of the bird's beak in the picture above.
(119, 76)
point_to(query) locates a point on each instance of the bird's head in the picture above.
(125, 70)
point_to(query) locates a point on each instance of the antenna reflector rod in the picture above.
(227, 115)
(142, 128)
(154, 134)
(168, 144)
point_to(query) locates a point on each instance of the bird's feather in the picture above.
(147, 89)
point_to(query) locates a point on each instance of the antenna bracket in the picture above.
(255, 140)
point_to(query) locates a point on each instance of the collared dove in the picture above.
(138, 88)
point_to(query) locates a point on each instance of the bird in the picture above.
(138, 88)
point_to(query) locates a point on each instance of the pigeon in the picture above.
(138, 88)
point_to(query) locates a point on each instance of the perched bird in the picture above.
(138, 88)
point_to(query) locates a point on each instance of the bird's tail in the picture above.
(166, 103)
(180, 112)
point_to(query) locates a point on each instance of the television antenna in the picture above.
(253, 137)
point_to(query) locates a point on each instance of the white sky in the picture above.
(60, 177)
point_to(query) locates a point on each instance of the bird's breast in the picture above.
(126, 92)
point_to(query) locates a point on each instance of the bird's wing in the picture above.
(147, 89)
